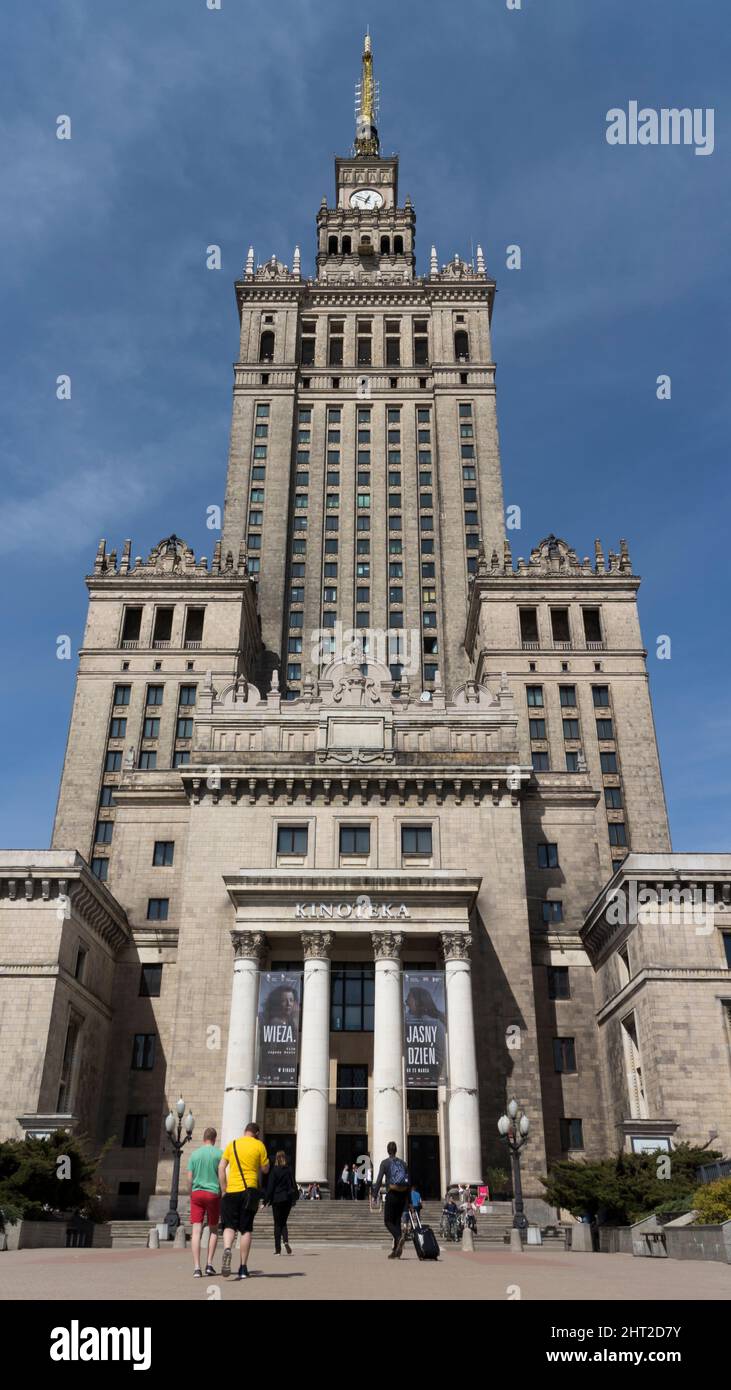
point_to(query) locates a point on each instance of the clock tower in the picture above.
(366, 223)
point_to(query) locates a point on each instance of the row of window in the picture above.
(162, 627)
(561, 629)
(416, 840)
(392, 354)
(343, 246)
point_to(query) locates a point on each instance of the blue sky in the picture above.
(193, 126)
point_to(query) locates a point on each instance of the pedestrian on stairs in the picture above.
(395, 1174)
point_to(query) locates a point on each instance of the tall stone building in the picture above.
(360, 745)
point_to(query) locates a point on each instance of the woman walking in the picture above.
(281, 1194)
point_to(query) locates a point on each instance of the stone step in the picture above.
(336, 1222)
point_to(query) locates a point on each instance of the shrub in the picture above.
(498, 1182)
(623, 1189)
(40, 1177)
(712, 1201)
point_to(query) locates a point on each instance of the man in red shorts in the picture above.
(205, 1198)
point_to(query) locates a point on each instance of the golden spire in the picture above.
(366, 105)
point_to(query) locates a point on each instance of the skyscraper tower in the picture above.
(364, 463)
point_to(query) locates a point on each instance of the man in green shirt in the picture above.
(205, 1199)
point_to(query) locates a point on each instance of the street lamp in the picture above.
(174, 1122)
(514, 1131)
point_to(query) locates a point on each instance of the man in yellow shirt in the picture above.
(244, 1161)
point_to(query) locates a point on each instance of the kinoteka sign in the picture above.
(362, 910)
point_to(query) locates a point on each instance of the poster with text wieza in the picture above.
(424, 1028)
(279, 1016)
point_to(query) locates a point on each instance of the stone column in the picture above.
(465, 1159)
(388, 1047)
(238, 1098)
(312, 1115)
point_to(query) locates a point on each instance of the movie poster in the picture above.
(279, 1027)
(424, 1028)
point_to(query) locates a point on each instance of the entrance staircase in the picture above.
(338, 1223)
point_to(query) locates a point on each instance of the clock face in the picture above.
(366, 199)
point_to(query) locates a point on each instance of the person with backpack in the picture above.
(281, 1194)
(244, 1159)
(394, 1172)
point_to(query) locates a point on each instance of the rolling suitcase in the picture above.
(426, 1244)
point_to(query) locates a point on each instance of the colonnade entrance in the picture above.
(435, 1125)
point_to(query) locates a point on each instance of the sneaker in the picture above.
(243, 1272)
(210, 1269)
(197, 1274)
(226, 1264)
(288, 1247)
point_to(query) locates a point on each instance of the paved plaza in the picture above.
(349, 1272)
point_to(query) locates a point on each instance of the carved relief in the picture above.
(316, 944)
(248, 945)
(387, 944)
(456, 945)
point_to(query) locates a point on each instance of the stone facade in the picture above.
(497, 767)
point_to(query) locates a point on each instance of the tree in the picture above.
(40, 1177)
(712, 1201)
(621, 1190)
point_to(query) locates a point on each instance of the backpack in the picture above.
(397, 1174)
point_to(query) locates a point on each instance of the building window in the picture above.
(608, 762)
(547, 856)
(355, 839)
(151, 728)
(613, 798)
(266, 346)
(184, 728)
(572, 762)
(571, 728)
(150, 981)
(564, 1055)
(552, 911)
(118, 728)
(559, 986)
(600, 695)
(421, 343)
(534, 695)
(143, 1051)
(157, 909)
(67, 1064)
(135, 1131)
(537, 728)
(162, 855)
(80, 962)
(352, 1092)
(461, 345)
(181, 757)
(104, 831)
(540, 761)
(617, 833)
(292, 839)
(352, 995)
(335, 344)
(148, 760)
(100, 869)
(567, 695)
(572, 1134)
(154, 694)
(122, 694)
(416, 840)
(393, 343)
(604, 728)
(592, 628)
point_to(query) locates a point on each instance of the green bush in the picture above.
(624, 1189)
(712, 1201)
(499, 1183)
(40, 1177)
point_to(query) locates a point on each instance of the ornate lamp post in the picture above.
(514, 1131)
(178, 1143)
